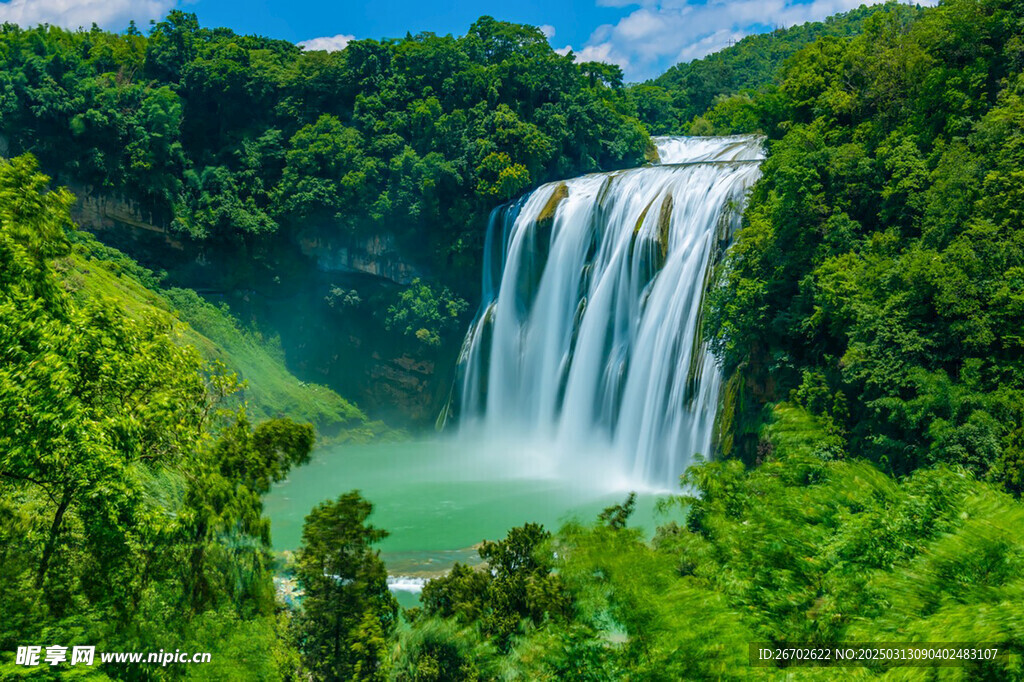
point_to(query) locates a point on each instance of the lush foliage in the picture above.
(347, 614)
(801, 549)
(424, 312)
(129, 494)
(236, 137)
(878, 275)
(670, 103)
(472, 615)
(268, 389)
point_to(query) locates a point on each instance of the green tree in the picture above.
(130, 495)
(518, 588)
(876, 271)
(347, 615)
(425, 312)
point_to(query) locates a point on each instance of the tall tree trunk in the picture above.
(51, 541)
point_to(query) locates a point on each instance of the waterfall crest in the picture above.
(588, 334)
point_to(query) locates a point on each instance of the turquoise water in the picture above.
(439, 498)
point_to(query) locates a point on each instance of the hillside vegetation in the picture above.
(130, 482)
(92, 270)
(803, 548)
(669, 103)
(243, 141)
(877, 278)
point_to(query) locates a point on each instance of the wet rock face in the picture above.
(404, 384)
(345, 345)
(378, 255)
(98, 212)
(146, 236)
(125, 223)
(398, 380)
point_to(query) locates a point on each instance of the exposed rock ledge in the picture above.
(101, 213)
(376, 254)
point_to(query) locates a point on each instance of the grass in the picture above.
(270, 389)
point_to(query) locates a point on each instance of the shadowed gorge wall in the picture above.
(343, 346)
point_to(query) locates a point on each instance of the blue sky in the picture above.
(644, 37)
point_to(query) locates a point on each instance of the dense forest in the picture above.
(669, 103)
(867, 316)
(877, 280)
(238, 138)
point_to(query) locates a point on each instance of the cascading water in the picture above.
(588, 335)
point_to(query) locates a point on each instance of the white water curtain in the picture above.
(588, 336)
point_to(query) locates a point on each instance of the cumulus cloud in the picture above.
(548, 30)
(660, 33)
(109, 14)
(602, 52)
(327, 43)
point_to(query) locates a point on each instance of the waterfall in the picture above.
(588, 335)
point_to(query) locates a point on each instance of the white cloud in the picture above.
(328, 43)
(548, 30)
(602, 52)
(110, 14)
(660, 33)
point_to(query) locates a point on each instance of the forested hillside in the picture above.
(668, 103)
(877, 281)
(240, 138)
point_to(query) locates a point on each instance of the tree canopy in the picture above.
(669, 103)
(235, 138)
(130, 492)
(876, 279)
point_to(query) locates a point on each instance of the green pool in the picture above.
(439, 498)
